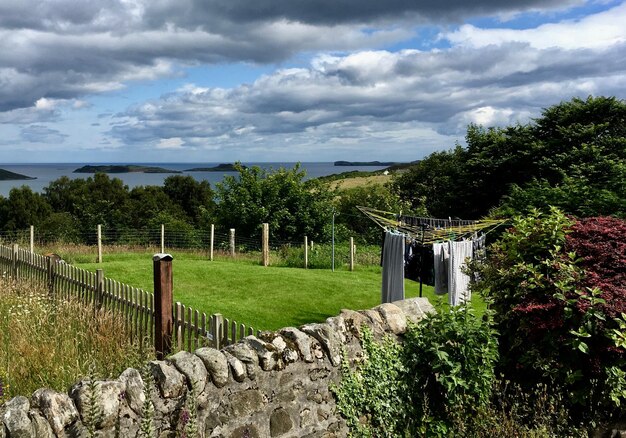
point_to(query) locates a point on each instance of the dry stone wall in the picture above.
(276, 385)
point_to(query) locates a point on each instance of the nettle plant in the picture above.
(558, 288)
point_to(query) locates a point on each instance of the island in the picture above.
(365, 163)
(124, 169)
(224, 167)
(7, 175)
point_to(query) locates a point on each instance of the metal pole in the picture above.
(423, 226)
(212, 237)
(32, 238)
(333, 244)
(306, 252)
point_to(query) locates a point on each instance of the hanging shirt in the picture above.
(393, 268)
(458, 281)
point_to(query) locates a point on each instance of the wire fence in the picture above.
(220, 242)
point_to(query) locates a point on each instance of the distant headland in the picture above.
(365, 163)
(7, 175)
(124, 169)
(224, 167)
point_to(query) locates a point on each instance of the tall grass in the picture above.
(52, 343)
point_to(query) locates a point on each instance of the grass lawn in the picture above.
(264, 298)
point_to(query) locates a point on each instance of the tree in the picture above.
(195, 198)
(24, 208)
(434, 182)
(292, 207)
(559, 293)
(378, 196)
(573, 156)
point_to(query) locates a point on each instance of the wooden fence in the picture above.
(191, 329)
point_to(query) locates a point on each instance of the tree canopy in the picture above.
(573, 156)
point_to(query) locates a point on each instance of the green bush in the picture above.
(443, 373)
(553, 329)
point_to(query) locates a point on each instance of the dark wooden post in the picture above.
(163, 300)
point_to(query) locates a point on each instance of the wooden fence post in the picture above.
(98, 299)
(217, 330)
(99, 243)
(163, 300)
(232, 242)
(306, 252)
(265, 244)
(352, 253)
(211, 246)
(32, 238)
(14, 257)
(162, 238)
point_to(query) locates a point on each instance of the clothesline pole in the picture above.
(333, 245)
(423, 226)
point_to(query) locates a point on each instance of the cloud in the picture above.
(41, 134)
(341, 98)
(595, 31)
(65, 49)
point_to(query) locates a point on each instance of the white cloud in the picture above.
(170, 143)
(592, 32)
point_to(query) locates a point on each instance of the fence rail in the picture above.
(191, 330)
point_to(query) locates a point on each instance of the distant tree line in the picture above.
(572, 157)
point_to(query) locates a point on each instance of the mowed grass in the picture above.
(266, 298)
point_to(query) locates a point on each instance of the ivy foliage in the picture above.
(443, 371)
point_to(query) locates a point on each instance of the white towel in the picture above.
(458, 281)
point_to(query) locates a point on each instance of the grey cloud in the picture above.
(339, 97)
(41, 134)
(66, 49)
(193, 13)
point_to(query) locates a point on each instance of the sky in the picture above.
(282, 81)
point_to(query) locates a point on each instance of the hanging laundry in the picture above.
(458, 281)
(479, 251)
(393, 268)
(441, 258)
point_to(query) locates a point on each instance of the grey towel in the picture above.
(393, 268)
(441, 260)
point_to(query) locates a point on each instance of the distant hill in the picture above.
(224, 167)
(7, 175)
(124, 169)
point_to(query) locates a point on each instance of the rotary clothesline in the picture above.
(428, 230)
(451, 242)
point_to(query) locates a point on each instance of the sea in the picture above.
(47, 172)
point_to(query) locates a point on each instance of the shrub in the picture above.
(443, 373)
(552, 310)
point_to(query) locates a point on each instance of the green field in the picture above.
(266, 298)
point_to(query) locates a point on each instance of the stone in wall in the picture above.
(276, 385)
